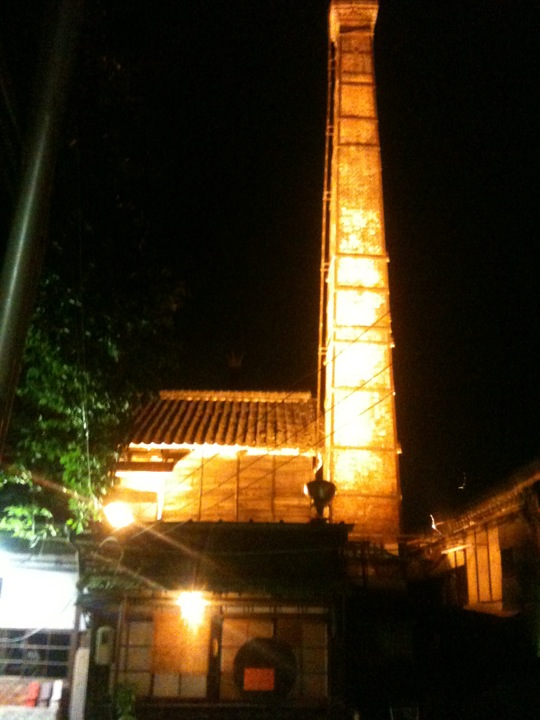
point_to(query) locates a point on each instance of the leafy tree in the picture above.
(67, 424)
(83, 372)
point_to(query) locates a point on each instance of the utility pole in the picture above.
(23, 259)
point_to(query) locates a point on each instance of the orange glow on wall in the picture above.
(361, 364)
(359, 231)
(359, 308)
(362, 271)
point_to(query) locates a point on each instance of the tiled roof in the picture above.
(271, 420)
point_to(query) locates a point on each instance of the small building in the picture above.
(201, 619)
(476, 581)
(231, 588)
(487, 558)
(215, 487)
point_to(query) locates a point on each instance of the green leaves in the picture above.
(67, 425)
(124, 701)
(27, 520)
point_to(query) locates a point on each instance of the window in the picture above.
(30, 653)
(179, 656)
(307, 639)
(455, 590)
(136, 655)
(163, 658)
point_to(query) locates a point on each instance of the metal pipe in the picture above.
(323, 295)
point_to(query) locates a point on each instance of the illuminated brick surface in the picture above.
(361, 444)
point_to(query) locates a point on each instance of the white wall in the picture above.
(37, 593)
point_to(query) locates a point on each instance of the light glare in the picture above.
(192, 606)
(119, 514)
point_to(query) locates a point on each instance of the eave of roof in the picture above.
(220, 557)
(270, 420)
(507, 498)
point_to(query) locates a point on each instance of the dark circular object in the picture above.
(264, 670)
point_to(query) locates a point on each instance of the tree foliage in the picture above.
(68, 421)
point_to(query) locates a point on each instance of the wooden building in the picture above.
(487, 558)
(221, 494)
(475, 583)
(207, 619)
(215, 483)
(221, 456)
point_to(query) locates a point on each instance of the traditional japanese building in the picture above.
(474, 583)
(486, 558)
(221, 456)
(224, 585)
(224, 511)
(277, 513)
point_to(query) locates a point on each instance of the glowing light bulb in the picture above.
(192, 606)
(118, 514)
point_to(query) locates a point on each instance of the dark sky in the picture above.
(458, 94)
(229, 125)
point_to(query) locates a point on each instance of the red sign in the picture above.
(259, 679)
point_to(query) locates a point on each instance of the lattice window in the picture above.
(135, 659)
(44, 653)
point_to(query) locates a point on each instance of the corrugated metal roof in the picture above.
(271, 420)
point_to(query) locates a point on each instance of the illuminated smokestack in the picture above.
(356, 356)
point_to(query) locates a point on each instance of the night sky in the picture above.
(228, 127)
